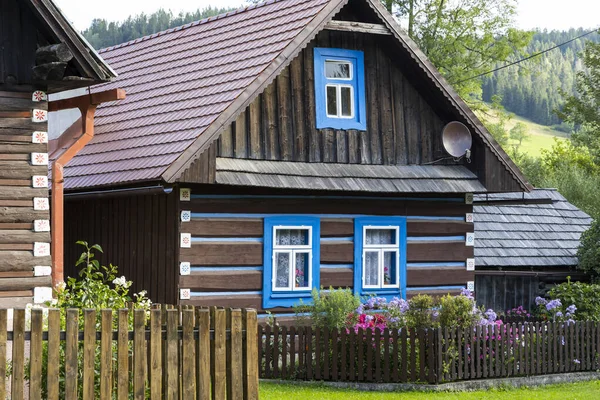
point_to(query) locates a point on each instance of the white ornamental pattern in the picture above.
(41, 204)
(42, 270)
(39, 116)
(39, 158)
(184, 268)
(185, 194)
(185, 294)
(471, 286)
(469, 218)
(41, 225)
(39, 181)
(470, 239)
(41, 249)
(39, 137)
(470, 264)
(38, 96)
(186, 216)
(186, 240)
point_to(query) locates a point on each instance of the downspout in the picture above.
(87, 104)
(57, 199)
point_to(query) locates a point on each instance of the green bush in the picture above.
(585, 296)
(457, 311)
(420, 313)
(589, 251)
(329, 309)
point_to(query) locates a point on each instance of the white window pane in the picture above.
(371, 266)
(302, 272)
(390, 268)
(337, 70)
(291, 237)
(380, 236)
(346, 94)
(331, 100)
(282, 270)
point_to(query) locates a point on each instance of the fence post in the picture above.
(430, 356)
(203, 355)
(251, 356)
(171, 359)
(156, 375)
(439, 354)
(219, 384)
(188, 375)
(89, 352)
(123, 355)
(139, 354)
(35, 359)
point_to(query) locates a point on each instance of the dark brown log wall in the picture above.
(139, 234)
(230, 218)
(17, 214)
(402, 128)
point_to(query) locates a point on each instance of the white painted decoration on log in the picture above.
(186, 216)
(469, 217)
(38, 96)
(42, 294)
(186, 240)
(185, 294)
(41, 249)
(468, 198)
(470, 264)
(41, 225)
(39, 137)
(39, 158)
(184, 268)
(41, 204)
(185, 194)
(39, 181)
(42, 270)
(39, 116)
(470, 239)
(471, 286)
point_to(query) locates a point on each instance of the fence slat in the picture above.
(422, 356)
(301, 371)
(521, 349)
(188, 373)
(430, 356)
(309, 354)
(497, 356)
(466, 347)
(203, 355)
(71, 354)
(284, 351)
(360, 359)
(236, 388)
(484, 352)
(35, 359)
(219, 360)
(343, 342)
(268, 352)
(123, 355)
(413, 355)
(386, 355)
(139, 354)
(439, 350)
(106, 370)
(3, 337)
(395, 357)
(171, 367)
(292, 367)
(18, 354)
(325, 350)
(156, 375)
(545, 343)
(89, 352)
(251, 376)
(377, 332)
(369, 345)
(334, 355)
(562, 347)
(276, 344)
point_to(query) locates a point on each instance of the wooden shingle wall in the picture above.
(25, 262)
(223, 251)
(402, 128)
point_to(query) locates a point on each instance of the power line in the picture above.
(528, 57)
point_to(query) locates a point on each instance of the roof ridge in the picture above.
(189, 25)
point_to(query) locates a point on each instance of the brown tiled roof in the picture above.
(178, 82)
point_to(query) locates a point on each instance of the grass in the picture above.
(540, 136)
(572, 391)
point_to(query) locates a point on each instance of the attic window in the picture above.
(339, 89)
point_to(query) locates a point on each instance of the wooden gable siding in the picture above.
(139, 234)
(17, 215)
(19, 43)
(226, 251)
(280, 124)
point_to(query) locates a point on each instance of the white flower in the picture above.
(122, 281)
(60, 286)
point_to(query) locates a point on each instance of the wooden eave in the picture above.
(323, 21)
(91, 66)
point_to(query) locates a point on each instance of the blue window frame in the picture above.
(380, 256)
(291, 260)
(340, 89)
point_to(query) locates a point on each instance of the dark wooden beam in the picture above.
(361, 27)
(53, 53)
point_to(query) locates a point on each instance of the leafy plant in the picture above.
(457, 311)
(588, 253)
(584, 296)
(329, 309)
(420, 313)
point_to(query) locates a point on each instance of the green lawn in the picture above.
(540, 136)
(583, 390)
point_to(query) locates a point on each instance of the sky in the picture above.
(549, 14)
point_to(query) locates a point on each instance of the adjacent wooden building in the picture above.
(40, 54)
(289, 145)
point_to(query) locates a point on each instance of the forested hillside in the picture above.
(104, 34)
(532, 89)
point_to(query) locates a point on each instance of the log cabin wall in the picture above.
(25, 260)
(138, 233)
(402, 127)
(225, 252)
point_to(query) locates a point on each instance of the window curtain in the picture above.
(291, 237)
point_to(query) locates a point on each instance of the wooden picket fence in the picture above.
(428, 355)
(175, 353)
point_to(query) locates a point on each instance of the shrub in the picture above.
(420, 313)
(588, 253)
(330, 309)
(458, 311)
(584, 296)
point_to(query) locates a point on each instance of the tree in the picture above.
(463, 38)
(584, 108)
(589, 251)
(518, 133)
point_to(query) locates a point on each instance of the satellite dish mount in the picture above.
(457, 140)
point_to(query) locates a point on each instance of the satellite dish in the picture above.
(456, 138)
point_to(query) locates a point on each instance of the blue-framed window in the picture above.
(380, 256)
(291, 260)
(340, 89)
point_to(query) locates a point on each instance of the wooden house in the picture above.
(40, 54)
(279, 148)
(526, 243)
